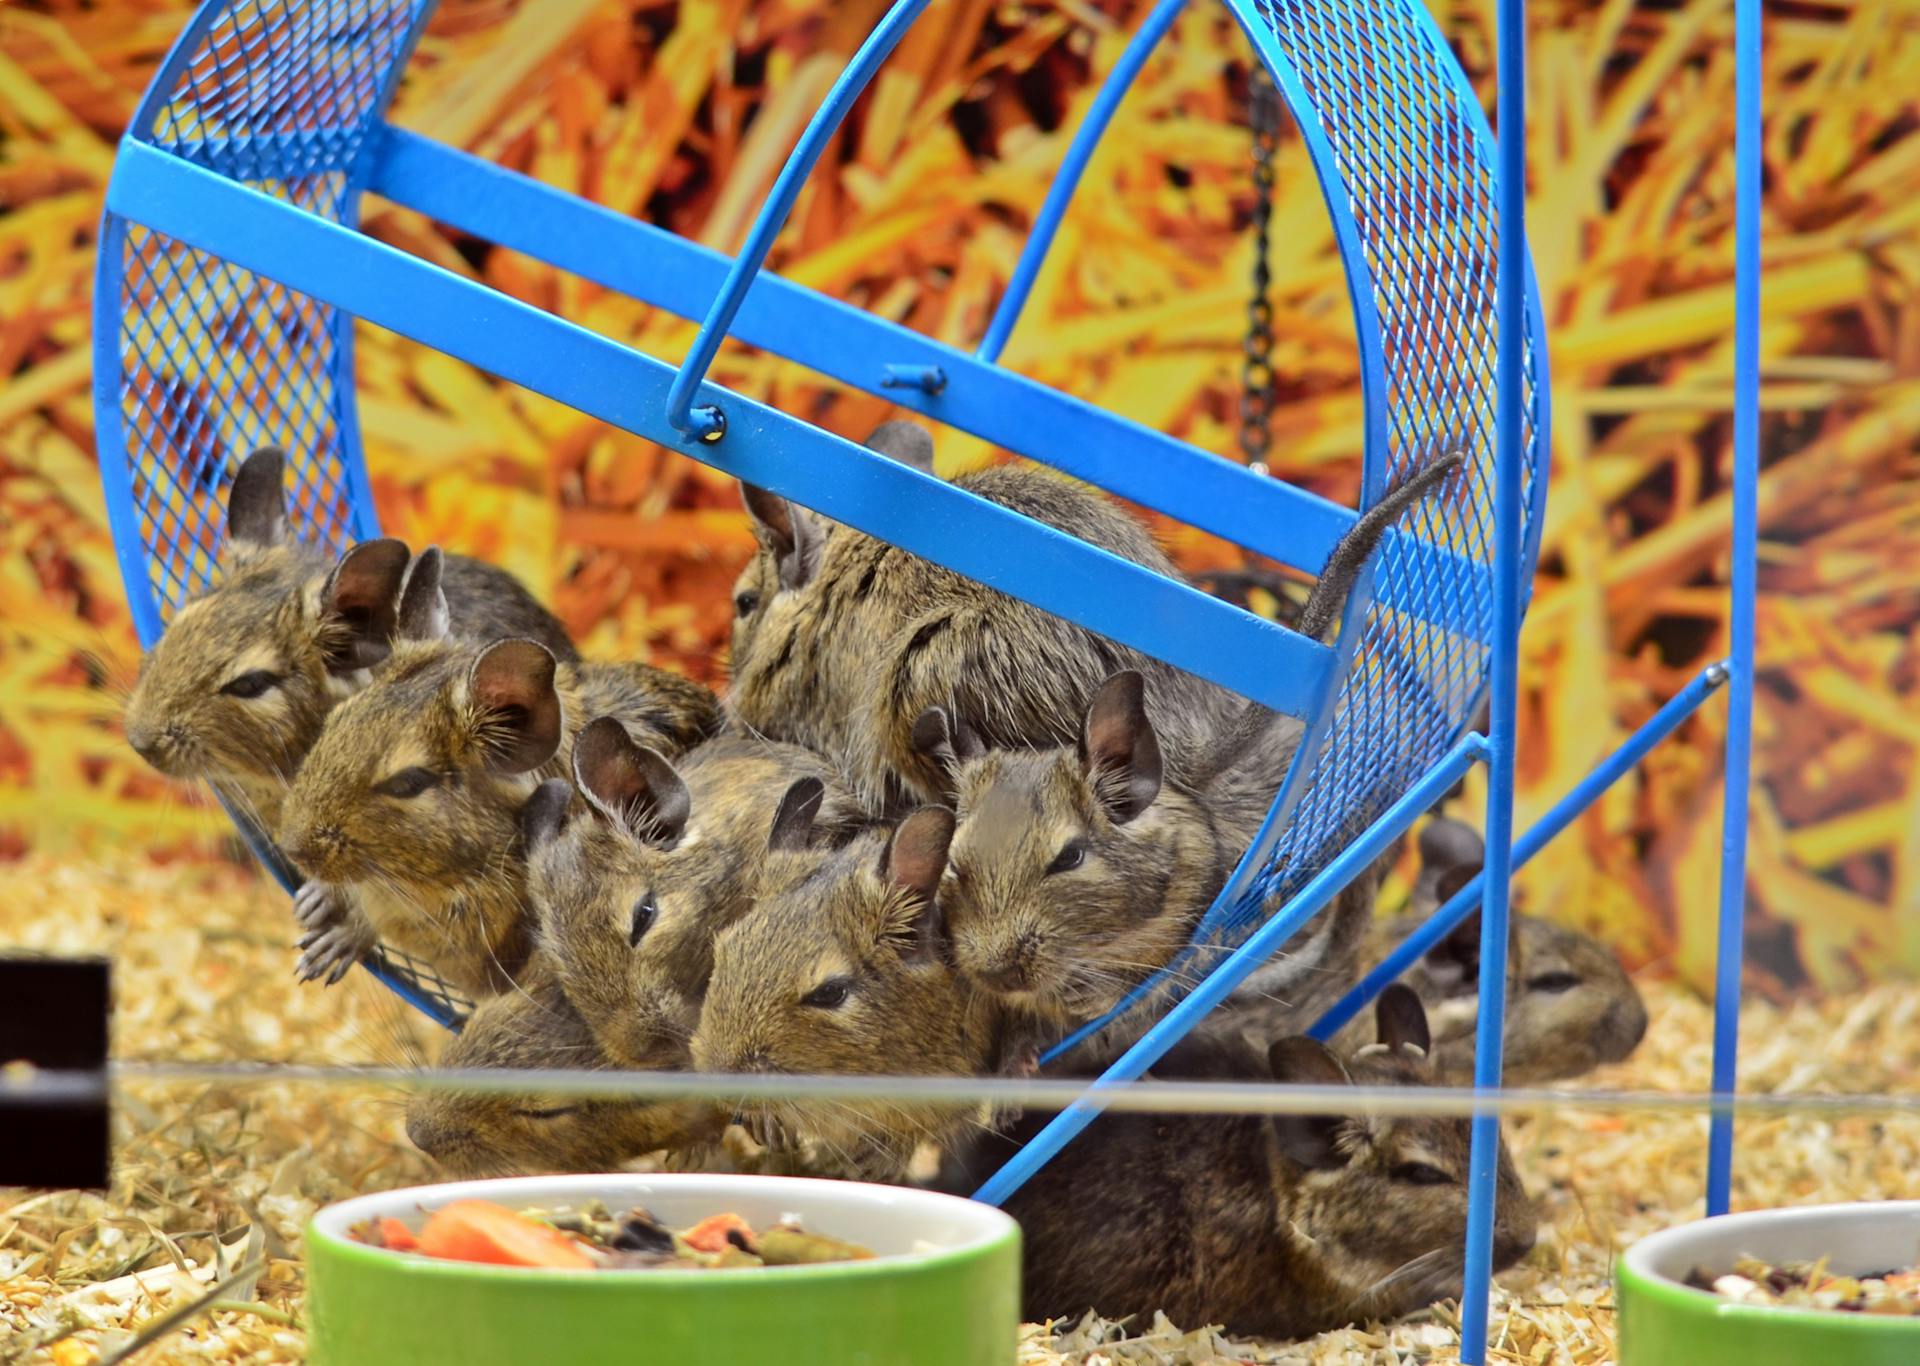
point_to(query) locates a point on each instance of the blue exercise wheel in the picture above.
(231, 274)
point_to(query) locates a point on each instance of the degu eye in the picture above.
(252, 684)
(546, 1111)
(1553, 982)
(645, 911)
(744, 604)
(829, 995)
(1071, 856)
(409, 782)
(1420, 1174)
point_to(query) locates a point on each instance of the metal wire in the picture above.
(1146, 1096)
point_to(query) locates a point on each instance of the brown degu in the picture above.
(630, 896)
(413, 793)
(1570, 1005)
(841, 641)
(238, 688)
(840, 971)
(1075, 874)
(1275, 1226)
(1079, 872)
(484, 1133)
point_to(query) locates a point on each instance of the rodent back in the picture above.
(850, 652)
(1279, 1226)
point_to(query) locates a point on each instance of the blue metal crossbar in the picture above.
(707, 423)
(936, 520)
(1564, 812)
(1746, 517)
(1266, 516)
(1178, 1022)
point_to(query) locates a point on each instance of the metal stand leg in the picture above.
(1584, 794)
(1509, 457)
(1746, 479)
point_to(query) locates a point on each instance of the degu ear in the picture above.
(908, 442)
(915, 858)
(1118, 749)
(1447, 843)
(423, 602)
(1310, 1140)
(516, 708)
(359, 604)
(1455, 960)
(256, 506)
(947, 740)
(1399, 1019)
(545, 814)
(793, 537)
(629, 784)
(793, 820)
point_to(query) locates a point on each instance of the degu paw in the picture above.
(331, 951)
(318, 905)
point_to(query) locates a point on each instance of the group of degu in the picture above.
(930, 829)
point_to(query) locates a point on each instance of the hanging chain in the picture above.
(1257, 392)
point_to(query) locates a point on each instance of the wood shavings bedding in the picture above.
(209, 1178)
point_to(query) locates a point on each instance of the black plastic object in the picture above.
(53, 1072)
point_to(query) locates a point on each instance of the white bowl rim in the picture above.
(989, 1225)
(1639, 1258)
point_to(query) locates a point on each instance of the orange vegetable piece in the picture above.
(481, 1231)
(397, 1237)
(710, 1234)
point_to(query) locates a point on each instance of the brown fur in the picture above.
(1274, 1227)
(473, 1134)
(440, 872)
(1158, 839)
(1570, 1005)
(840, 972)
(1064, 945)
(642, 998)
(270, 613)
(847, 640)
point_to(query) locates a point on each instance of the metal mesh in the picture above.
(215, 361)
(1418, 179)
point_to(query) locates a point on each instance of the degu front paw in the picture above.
(332, 950)
(318, 905)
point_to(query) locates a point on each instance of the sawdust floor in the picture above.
(209, 1177)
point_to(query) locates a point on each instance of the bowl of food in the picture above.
(1770, 1287)
(662, 1268)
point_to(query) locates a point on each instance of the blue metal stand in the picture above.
(1746, 516)
(1510, 443)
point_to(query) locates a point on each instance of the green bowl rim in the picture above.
(1630, 1269)
(440, 1193)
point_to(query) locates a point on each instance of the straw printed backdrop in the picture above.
(682, 114)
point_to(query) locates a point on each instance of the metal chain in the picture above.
(1257, 393)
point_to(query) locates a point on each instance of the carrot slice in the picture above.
(397, 1237)
(710, 1234)
(481, 1231)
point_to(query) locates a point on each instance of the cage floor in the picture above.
(207, 1175)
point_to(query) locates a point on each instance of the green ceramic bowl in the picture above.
(943, 1291)
(1664, 1322)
